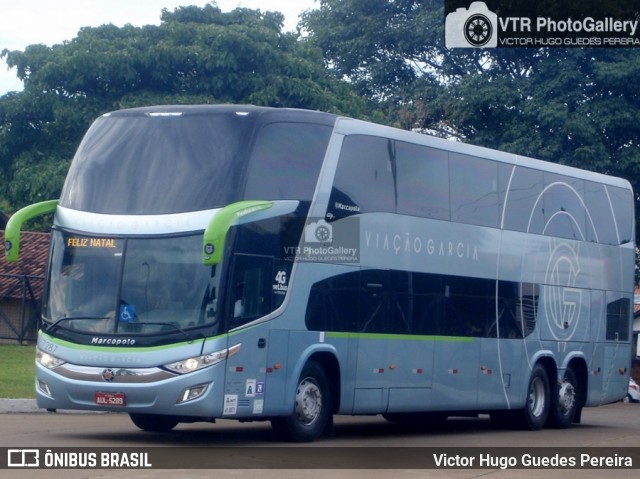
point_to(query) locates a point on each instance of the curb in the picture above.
(19, 406)
(29, 406)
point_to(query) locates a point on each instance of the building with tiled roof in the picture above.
(21, 285)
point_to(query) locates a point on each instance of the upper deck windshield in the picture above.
(151, 162)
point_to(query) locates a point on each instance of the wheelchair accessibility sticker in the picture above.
(127, 313)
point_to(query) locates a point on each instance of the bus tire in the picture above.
(312, 409)
(564, 401)
(536, 410)
(154, 422)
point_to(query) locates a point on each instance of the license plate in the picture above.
(109, 399)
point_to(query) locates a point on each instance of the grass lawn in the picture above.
(17, 371)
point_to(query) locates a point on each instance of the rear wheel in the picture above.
(536, 410)
(312, 409)
(154, 422)
(564, 401)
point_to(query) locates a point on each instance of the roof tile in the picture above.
(34, 249)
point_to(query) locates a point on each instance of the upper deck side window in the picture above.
(377, 174)
(286, 160)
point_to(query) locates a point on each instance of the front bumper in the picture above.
(139, 390)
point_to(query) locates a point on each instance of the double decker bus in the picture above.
(286, 265)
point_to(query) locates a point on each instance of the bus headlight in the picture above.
(200, 362)
(47, 360)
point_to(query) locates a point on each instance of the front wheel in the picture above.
(154, 422)
(564, 401)
(312, 410)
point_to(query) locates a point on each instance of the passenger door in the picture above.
(258, 286)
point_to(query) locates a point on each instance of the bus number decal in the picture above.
(47, 346)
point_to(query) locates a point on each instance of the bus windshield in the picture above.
(154, 163)
(113, 286)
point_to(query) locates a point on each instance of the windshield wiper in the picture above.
(171, 325)
(52, 326)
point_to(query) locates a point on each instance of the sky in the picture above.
(28, 22)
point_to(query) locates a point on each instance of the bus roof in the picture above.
(346, 126)
(281, 114)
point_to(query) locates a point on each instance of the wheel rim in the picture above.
(308, 402)
(537, 397)
(567, 398)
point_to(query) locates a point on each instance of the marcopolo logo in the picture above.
(472, 27)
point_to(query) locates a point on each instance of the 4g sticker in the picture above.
(280, 285)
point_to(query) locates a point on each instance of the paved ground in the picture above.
(27, 406)
(19, 406)
(609, 428)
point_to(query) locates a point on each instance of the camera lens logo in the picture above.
(318, 232)
(472, 27)
(478, 30)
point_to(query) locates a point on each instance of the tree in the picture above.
(572, 106)
(196, 55)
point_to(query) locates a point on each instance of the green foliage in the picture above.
(17, 374)
(196, 55)
(571, 106)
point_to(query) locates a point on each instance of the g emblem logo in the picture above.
(563, 300)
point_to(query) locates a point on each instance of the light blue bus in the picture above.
(255, 263)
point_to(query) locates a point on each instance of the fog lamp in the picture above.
(192, 393)
(43, 387)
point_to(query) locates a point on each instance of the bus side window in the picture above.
(374, 301)
(251, 285)
(422, 181)
(601, 221)
(622, 205)
(521, 210)
(474, 190)
(617, 318)
(332, 305)
(286, 160)
(564, 212)
(364, 178)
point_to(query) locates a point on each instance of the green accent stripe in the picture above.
(113, 349)
(336, 335)
(216, 231)
(401, 337)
